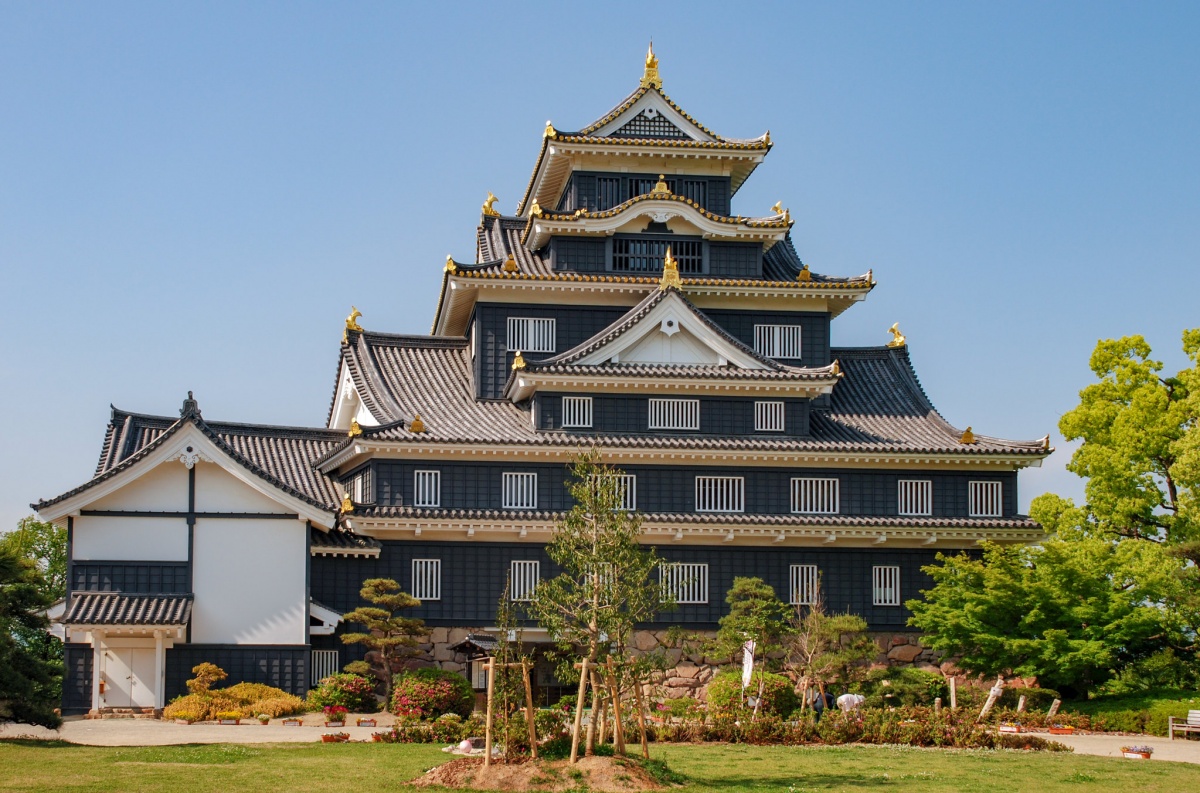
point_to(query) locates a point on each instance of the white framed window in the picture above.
(720, 494)
(324, 664)
(520, 491)
(427, 488)
(684, 581)
(530, 334)
(576, 411)
(816, 495)
(984, 499)
(626, 490)
(803, 585)
(360, 488)
(768, 416)
(915, 497)
(885, 585)
(426, 579)
(674, 414)
(777, 341)
(523, 579)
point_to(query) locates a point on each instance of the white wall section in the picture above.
(162, 489)
(131, 539)
(219, 491)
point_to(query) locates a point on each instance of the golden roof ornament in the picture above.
(898, 338)
(650, 77)
(660, 187)
(805, 275)
(355, 430)
(450, 267)
(347, 505)
(777, 208)
(767, 138)
(416, 425)
(488, 209)
(550, 131)
(835, 368)
(352, 324)
(670, 276)
(510, 264)
(535, 209)
(518, 362)
(967, 436)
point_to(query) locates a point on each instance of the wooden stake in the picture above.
(583, 680)
(937, 705)
(953, 693)
(1054, 706)
(529, 711)
(637, 693)
(618, 727)
(993, 695)
(487, 734)
(602, 719)
(1021, 704)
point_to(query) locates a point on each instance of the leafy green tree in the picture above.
(390, 635)
(823, 648)
(607, 582)
(29, 683)
(755, 614)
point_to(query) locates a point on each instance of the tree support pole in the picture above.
(583, 679)
(618, 727)
(487, 735)
(529, 710)
(637, 693)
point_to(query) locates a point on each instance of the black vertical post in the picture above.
(191, 524)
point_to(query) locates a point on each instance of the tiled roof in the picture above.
(282, 456)
(340, 542)
(114, 608)
(878, 406)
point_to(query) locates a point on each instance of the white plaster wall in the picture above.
(162, 489)
(681, 347)
(131, 539)
(217, 490)
(248, 577)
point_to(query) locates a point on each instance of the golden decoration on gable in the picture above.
(347, 505)
(967, 436)
(660, 187)
(510, 264)
(488, 208)
(355, 430)
(898, 338)
(535, 209)
(550, 131)
(518, 362)
(805, 274)
(835, 368)
(352, 324)
(670, 276)
(777, 208)
(416, 425)
(650, 77)
(451, 267)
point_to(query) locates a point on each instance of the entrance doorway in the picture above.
(130, 677)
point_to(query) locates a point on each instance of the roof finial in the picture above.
(898, 338)
(835, 368)
(190, 407)
(488, 209)
(450, 267)
(518, 362)
(670, 276)
(347, 504)
(352, 324)
(510, 265)
(805, 274)
(550, 131)
(967, 436)
(354, 430)
(777, 208)
(416, 425)
(661, 187)
(650, 78)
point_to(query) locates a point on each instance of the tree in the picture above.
(44, 547)
(389, 634)
(29, 683)
(823, 647)
(757, 615)
(606, 581)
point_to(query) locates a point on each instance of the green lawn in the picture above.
(724, 768)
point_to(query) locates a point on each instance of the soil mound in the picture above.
(607, 774)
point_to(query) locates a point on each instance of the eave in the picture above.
(525, 384)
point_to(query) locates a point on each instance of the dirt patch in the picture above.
(607, 774)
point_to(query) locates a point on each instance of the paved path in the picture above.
(148, 732)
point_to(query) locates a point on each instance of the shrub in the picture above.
(286, 705)
(904, 686)
(205, 675)
(353, 692)
(447, 728)
(204, 707)
(725, 693)
(1035, 698)
(681, 708)
(428, 693)
(250, 692)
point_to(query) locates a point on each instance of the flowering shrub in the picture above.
(447, 728)
(353, 692)
(725, 693)
(428, 693)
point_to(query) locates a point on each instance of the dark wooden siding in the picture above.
(735, 259)
(581, 255)
(814, 336)
(144, 578)
(77, 679)
(631, 415)
(580, 190)
(284, 667)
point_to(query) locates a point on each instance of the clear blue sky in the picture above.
(191, 196)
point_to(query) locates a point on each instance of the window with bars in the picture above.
(644, 185)
(649, 124)
(608, 192)
(426, 579)
(777, 341)
(674, 414)
(695, 189)
(720, 494)
(576, 411)
(915, 497)
(626, 485)
(523, 579)
(360, 488)
(984, 500)
(427, 488)
(684, 582)
(530, 334)
(520, 491)
(768, 416)
(885, 585)
(324, 664)
(815, 495)
(803, 584)
(639, 254)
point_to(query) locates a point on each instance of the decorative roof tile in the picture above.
(114, 608)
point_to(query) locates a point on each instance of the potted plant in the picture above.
(293, 721)
(263, 719)
(1061, 729)
(335, 737)
(186, 717)
(366, 722)
(229, 717)
(1137, 752)
(1010, 726)
(335, 716)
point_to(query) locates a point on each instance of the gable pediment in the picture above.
(651, 113)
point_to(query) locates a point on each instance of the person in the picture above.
(850, 702)
(814, 699)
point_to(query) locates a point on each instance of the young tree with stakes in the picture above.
(392, 636)
(755, 615)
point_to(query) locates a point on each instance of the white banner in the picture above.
(747, 662)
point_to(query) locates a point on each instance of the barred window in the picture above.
(427, 579)
(768, 416)
(815, 495)
(524, 576)
(885, 583)
(427, 488)
(696, 190)
(985, 500)
(576, 411)
(720, 494)
(674, 414)
(530, 334)
(803, 585)
(520, 491)
(626, 490)
(638, 254)
(324, 664)
(608, 192)
(916, 497)
(684, 582)
(777, 341)
(360, 487)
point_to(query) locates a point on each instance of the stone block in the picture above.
(687, 669)
(681, 682)
(644, 641)
(904, 653)
(439, 636)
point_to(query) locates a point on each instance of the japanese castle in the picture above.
(625, 306)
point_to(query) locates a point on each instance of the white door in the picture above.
(130, 673)
(142, 684)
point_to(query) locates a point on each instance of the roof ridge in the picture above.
(413, 339)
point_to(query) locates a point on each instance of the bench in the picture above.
(1190, 724)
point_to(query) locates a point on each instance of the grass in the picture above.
(720, 768)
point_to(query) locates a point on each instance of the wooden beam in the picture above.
(529, 710)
